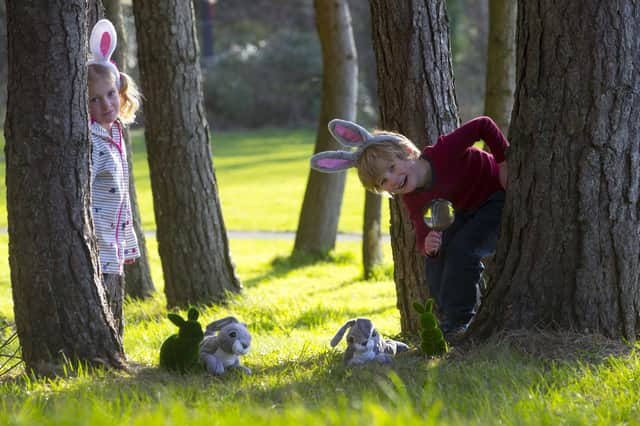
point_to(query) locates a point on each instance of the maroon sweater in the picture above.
(462, 174)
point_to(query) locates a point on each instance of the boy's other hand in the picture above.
(502, 172)
(432, 243)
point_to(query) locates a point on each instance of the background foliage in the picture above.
(266, 67)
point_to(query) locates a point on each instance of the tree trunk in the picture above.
(318, 224)
(569, 257)
(192, 238)
(59, 304)
(139, 284)
(371, 234)
(501, 62)
(415, 87)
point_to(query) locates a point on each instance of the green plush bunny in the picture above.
(433, 342)
(180, 352)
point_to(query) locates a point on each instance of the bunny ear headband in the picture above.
(102, 44)
(349, 135)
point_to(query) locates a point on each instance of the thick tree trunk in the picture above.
(192, 239)
(371, 234)
(569, 257)
(59, 304)
(415, 87)
(501, 62)
(318, 224)
(139, 284)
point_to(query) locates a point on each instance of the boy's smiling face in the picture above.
(403, 176)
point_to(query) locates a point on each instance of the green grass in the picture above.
(293, 308)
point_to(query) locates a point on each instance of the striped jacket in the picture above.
(111, 206)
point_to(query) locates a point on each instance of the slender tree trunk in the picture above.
(501, 62)
(192, 238)
(320, 212)
(569, 257)
(59, 304)
(415, 87)
(371, 234)
(139, 284)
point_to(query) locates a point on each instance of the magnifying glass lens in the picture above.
(439, 214)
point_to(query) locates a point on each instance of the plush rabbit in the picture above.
(223, 350)
(433, 342)
(351, 136)
(180, 351)
(364, 344)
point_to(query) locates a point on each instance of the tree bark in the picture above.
(192, 238)
(60, 306)
(569, 257)
(415, 87)
(318, 224)
(501, 62)
(139, 284)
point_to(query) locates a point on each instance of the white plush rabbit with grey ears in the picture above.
(351, 136)
(221, 352)
(364, 343)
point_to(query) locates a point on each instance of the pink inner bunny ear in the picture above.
(333, 163)
(105, 43)
(347, 133)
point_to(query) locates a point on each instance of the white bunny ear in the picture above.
(333, 161)
(103, 40)
(349, 133)
(102, 43)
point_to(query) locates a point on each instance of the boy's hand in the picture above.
(432, 243)
(502, 171)
(129, 261)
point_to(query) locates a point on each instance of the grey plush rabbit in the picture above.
(365, 344)
(222, 351)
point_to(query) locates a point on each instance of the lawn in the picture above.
(293, 308)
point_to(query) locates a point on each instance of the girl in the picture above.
(113, 102)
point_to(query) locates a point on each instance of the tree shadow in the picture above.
(283, 265)
(319, 315)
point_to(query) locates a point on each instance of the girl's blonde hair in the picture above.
(130, 96)
(375, 158)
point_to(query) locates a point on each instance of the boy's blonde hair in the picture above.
(129, 94)
(375, 158)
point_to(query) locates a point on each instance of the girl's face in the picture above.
(104, 101)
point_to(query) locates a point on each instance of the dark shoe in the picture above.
(455, 334)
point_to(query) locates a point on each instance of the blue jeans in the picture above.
(454, 274)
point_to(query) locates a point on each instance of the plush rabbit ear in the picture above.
(102, 43)
(365, 326)
(333, 161)
(193, 314)
(219, 324)
(176, 319)
(348, 133)
(336, 339)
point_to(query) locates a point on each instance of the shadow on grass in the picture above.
(476, 384)
(320, 315)
(283, 265)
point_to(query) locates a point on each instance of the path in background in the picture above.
(265, 235)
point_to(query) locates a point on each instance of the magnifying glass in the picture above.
(439, 214)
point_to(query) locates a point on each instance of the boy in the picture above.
(451, 169)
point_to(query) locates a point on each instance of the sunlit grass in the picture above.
(293, 308)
